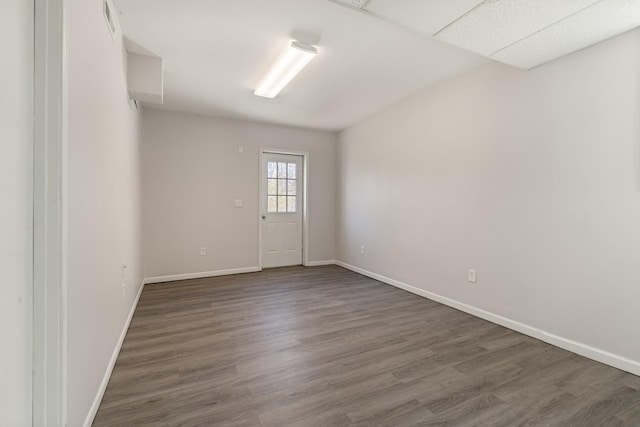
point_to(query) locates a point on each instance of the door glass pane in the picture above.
(272, 170)
(291, 170)
(282, 170)
(282, 187)
(291, 187)
(272, 204)
(291, 203)
(272, 187)
(282, 203)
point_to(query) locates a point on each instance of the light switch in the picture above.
(472, 276)
(237, 203)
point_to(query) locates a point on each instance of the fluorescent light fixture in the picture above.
(290, 63)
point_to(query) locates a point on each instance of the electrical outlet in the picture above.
(237, 203)
(472, 276)
(203, 251)
(362, 250)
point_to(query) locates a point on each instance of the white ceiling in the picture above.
(371, 53)
(522, 33)
(216, 51)
(427, 16)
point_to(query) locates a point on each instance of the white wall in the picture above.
(192, 172)
(16, 195)
(531, 178)
(103, 204)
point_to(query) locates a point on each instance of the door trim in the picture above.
(49, 405)
(305, 199)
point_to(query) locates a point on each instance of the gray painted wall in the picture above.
(531, 178)
(103, 206)
(192, 172)
(16, 200)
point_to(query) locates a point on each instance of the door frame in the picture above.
(49, 213)
(305, 198)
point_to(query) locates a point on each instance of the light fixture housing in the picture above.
(288, 65)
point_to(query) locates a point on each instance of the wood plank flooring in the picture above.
(324, 346)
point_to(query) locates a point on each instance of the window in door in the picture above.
(282, 187)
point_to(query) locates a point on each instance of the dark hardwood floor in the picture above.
(325, 346)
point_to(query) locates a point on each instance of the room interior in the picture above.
(481, 155)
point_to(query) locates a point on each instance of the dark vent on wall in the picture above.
(108, 16)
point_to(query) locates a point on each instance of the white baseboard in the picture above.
(176, 277)
(114, 356)
(596, 354)
(319, 263)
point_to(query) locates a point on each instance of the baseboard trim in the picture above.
(599, 355)
(112, 363)
(319, 263)
(201, 275)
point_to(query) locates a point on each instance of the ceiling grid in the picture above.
(521, 33)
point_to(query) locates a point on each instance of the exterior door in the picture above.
(281, 206)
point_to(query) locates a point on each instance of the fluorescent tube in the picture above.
(290, 63)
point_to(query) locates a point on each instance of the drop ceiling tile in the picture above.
(496, 24)
(599, 22)
(425, 16)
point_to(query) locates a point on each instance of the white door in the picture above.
(281, 206)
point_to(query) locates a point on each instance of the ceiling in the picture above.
(371, 53)
(522, 33)
(216, 51)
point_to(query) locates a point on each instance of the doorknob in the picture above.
(264, 216)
